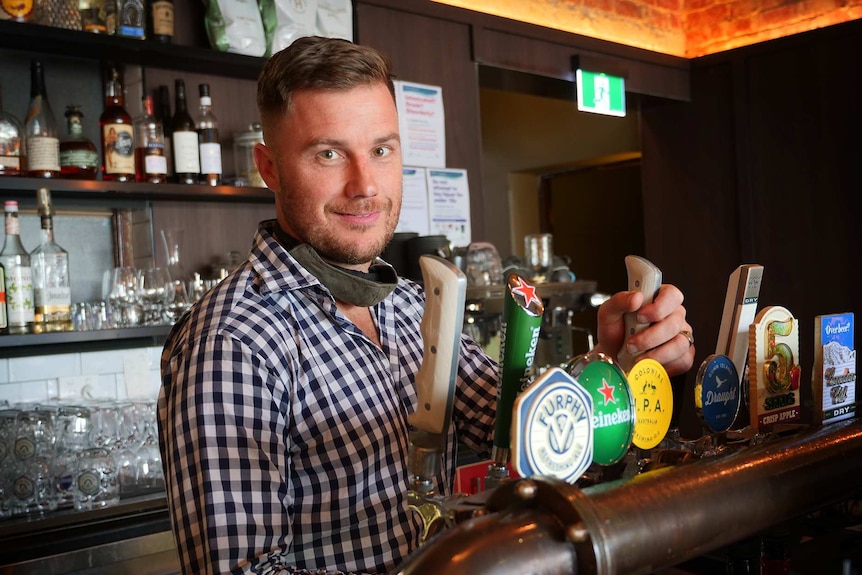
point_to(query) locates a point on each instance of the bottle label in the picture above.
(156, 164)
(119, 149)
(79, 158)
(13, 162)
(54, 297)
(186, 160)
(43, 154)
(4, 322)
(163, 18)
(16, 9)
(19, 295)
(210, 158)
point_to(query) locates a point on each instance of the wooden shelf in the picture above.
(74, 43)
(98, 190)
(78, 341)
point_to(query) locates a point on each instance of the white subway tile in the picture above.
(99, 362)
(33, 391)
(4, 371)
(44, 367)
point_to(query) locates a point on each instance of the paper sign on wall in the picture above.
(422, 124)
(449, 197)
(414, 202)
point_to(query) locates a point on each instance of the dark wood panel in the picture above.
(437, 52)
(690, 208)
(665, 77)
(210, 231)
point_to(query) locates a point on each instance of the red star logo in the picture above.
(608, 392)
(526, 291)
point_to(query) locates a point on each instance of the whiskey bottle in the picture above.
(118, 149)
(130, 19)
(151, 165)
(160, 20)
(94, 15)
(184, 139)
(79, 159)
(40, 129)
(19, 282)
(50, 262)
(210, 148)
(11, 143)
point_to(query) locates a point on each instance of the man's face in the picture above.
(334, 162)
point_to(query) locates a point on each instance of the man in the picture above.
(286, 389)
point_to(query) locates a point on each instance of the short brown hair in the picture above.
(316, 63)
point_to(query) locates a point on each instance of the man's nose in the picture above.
(362, 180)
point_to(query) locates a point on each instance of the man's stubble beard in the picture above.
(336, 250)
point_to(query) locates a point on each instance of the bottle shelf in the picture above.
(49, 40)
(12, 345)
(11, 187)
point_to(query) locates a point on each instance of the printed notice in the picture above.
(422, 124)
(414, 202)
(449, 197)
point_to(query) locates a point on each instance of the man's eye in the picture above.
(328, 154)
(382, 151)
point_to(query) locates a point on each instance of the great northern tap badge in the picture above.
(552, 428)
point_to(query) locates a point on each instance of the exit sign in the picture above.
(601, 93)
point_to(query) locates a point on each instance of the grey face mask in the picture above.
(353, 287)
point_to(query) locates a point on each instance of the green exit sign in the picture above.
(601, 93)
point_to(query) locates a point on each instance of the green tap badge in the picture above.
(519, 335)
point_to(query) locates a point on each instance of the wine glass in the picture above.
(123, 295)
(156, 291)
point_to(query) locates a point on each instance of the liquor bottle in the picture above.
(210, 148)
(19, 282)
(184, 139)
(160, 20)
(162, 109)
(51, 288)
(94, 15)
(130, 19)
(11, 140)
(118, 150)
(4, 320)
(40, 129)
(151, 165)
(79, 159)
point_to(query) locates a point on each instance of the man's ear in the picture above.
(266, 166)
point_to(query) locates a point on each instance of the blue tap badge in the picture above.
(717, 393)
(552, 428)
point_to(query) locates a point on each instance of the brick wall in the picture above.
(687, 28)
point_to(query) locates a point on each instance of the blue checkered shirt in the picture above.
(284, 429)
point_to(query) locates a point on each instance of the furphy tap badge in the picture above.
(653, 397)
(552, 431)
(834, 374)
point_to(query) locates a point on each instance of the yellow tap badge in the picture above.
(653, 395)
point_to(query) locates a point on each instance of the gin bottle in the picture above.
(52, 290)
(19, 283)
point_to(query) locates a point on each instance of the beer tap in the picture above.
(445, 295)
(522, 323)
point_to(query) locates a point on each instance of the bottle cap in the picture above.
(10, 205)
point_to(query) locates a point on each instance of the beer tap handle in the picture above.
(644, 277)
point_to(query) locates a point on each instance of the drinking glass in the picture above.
(156, 291)
(73, 435)
(8, 432)
(32, 485)
(123, 295)
(96, 482)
